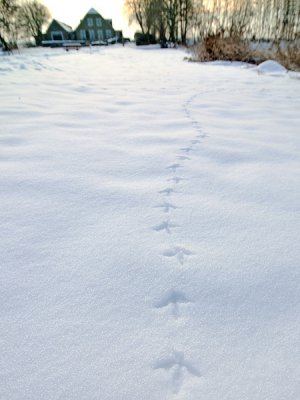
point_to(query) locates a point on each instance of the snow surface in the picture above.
(149, 228)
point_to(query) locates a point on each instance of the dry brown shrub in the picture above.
(289, 55)
(217, 47)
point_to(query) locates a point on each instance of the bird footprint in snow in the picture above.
(174, 167)
(168, 191)
(184, 158)
(176, 179)
(165, 225)
(166, 206)
(177, 363)
(178, 251)
(173, 297)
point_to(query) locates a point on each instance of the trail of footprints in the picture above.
(177, 363)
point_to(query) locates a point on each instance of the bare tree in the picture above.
(145, 13)
(186, 14)
(172, 18)
(160, 24)
(34, 16)
(135, 12)
(162, 18)
(8, 17)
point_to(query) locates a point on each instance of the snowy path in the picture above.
(149, 228)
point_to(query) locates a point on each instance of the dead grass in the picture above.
(289, 56)
(216, 47)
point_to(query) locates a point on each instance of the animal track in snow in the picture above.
(173, 297)
(196, 125)
(201, 135)
(187, 149)
(167, 191)
(178, 251)
(177, 362)
(174, 167)
(166, 206)
(195, 141)
(184, 158)
(176, 179)
(165, 225)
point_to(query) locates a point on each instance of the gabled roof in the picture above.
(92, 11)
(66, 27)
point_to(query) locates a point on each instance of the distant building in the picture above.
(58, 31)
(94, 27)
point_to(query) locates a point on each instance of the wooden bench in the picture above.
(71, 46)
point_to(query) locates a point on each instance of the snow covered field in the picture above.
(149, 227)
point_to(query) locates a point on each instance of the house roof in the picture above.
(92, 11)
(66, 27)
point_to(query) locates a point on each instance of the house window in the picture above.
(57, 36)
(90, 21)
(100, 34)
(98, 22)
(82, 34)
(92, 34)
(108, 34)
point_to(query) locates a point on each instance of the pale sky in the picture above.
(71, 12)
